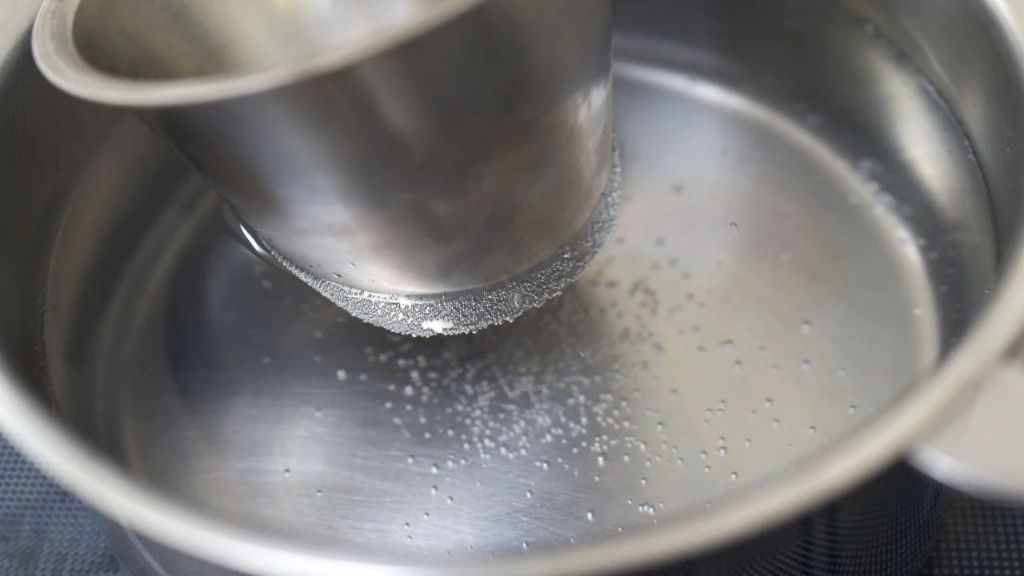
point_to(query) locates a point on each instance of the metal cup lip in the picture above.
(59, 60)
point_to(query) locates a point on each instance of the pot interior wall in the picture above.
(812, 218)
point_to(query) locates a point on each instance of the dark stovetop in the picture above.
(46, 532)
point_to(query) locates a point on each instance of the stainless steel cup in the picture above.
(433, 166)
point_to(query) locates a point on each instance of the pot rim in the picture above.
(58, 58)
(880, 442)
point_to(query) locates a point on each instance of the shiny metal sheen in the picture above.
(431, 166)
(816, 265)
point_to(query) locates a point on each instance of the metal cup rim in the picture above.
(60, 61)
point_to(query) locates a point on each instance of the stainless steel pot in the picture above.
(815, 269)
(430, 166)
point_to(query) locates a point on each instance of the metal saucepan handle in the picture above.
(982, 450)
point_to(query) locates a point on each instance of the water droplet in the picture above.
(287, 472)
(734, 475)
(748, 441)
(707, 468)
(426, 515)
(734, 227)
(768, 402)
(851, 409)
(410, 459)
(590, 515)
(352, 265)
(737, 366)
(526, 545)
(722, 451)
(776, 423)
(319, 493)
(318, 412)
(265, 359)
(341, 375)
(433, 490)
(727, 344)
(805, 365)
(267, 284)
(600, 461)
(450, 500)
(806, 327)
(643, 481)
(409, 390)
(812, 430)
(434, 469)
(529, 494)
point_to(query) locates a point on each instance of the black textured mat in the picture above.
(43, 530)
(979, 539)
(46, 532)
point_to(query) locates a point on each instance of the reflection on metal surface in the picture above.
(765, 158)
(978, 451)
(721, 336)
(454, 156)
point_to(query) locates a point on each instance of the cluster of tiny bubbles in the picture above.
(467, 311)
(589, 392)
(516, 400)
